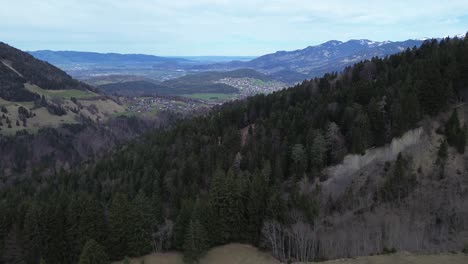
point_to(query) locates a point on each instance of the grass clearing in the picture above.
(227, 254)
(246, 254)
(405, 258)
(66, 94)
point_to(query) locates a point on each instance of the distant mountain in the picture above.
(216, 59)
(18, 67)
(314, 61)
(78, 57)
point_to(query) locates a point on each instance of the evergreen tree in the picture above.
(120, 226)
(35, 232)
(13, 249)
(142, 222)
(86, 220)
(442, 155)
(456, 135)
(336, 143)
(298, 156)
(227, 209)
(317, 151)
(452, 128)
(93, 253)
(256, 207)
(181, 224)
(196, 242)
(361, 137)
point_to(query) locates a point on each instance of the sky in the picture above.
(220, 27)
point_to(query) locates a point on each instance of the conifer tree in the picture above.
(13, 248)
(142, 222)
(93, 253)
(317, 151)
(196, 242)
(120, 226)
(181, 224)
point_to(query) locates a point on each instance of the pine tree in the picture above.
(452, 128)
(256, 207)
(442, 155)
(142, 222)
(226, 208)
(35, 232)
(120, 226)
(195, 243)
(86, 220)
(361, 138)
(13, 250)
(93, 253)
(456, 135)
(298, 156)
(181, 224)
(317, 151)
(336, 143)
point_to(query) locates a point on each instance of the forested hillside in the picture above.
(247, 166)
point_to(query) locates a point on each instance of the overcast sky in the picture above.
(220, 27)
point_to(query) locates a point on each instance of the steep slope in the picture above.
(18, 68)
(265, 171)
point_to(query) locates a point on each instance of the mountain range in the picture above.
(286, 66)
(315, 61)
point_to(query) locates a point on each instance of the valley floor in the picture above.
(246, 254)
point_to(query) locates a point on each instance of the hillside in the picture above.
(35, 94)
(18, 68)
(49, 120)
(367, 161)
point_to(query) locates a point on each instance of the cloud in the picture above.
(220, 27)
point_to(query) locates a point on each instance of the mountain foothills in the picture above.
(371, 160)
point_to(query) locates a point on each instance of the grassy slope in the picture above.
(405, 258)
(105, 109)
(245, 254)
(78, 94)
